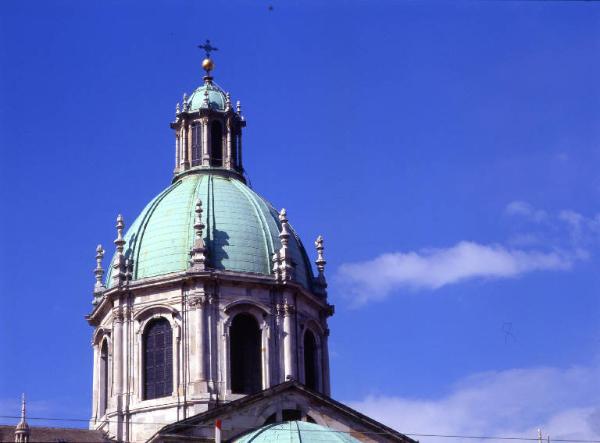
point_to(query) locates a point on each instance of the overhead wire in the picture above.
(410, 434)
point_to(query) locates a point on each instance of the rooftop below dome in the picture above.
(295, 432)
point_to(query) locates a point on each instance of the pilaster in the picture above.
(213, 352)
(196, 307)
(205, 142)
(289, 341)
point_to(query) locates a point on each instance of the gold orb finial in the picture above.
(208, 65)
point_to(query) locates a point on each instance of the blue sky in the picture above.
(447, 151)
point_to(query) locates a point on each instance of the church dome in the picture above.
(241, 230)
(296, 432)
(216, 98)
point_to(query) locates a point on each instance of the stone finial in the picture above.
(276, 270)
(119, 271)
(119, 241)
(198, 225)
(320, 261)
(99, 271)
(320, 281)
(227, 101)
(177, 109)
(198, 252)
(128, 269)
(22, 429)
(284, 235)
(238, 107)
(23, 407)
(285, 264)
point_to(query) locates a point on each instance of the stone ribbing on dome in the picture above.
(295, 432)
(241, 234)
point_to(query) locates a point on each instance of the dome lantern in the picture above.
(208, 131)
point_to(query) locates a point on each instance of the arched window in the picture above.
(216, 143)
(196, 144)
(103, 391)
(310, 360)
(245, 355)
(158, 359)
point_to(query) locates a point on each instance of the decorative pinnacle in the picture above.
(177, 108)
(99, 272)
(284, 235)
(119, 241)
(185, 102)
(198, 252)
(320, 261)
(285, 267)
(227, 101)
(198, 225)
(238, 107)
(23, 407)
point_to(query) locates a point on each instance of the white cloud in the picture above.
(566, 227)
(562, 402)
(524, 209)
(434, 268)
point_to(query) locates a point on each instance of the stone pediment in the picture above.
(286, 401)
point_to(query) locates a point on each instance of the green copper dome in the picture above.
(241, 230)
(296, 432)
(216, 98)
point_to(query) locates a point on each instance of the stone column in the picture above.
(125, 349)
(188, 137)
(117, 351)
(96, 384)
(182, 148)
(196, 304)
(177, 159)
(289, 342)
(228, 150)
(205, 143)
(213, 354)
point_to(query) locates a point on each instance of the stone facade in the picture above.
(200, 307)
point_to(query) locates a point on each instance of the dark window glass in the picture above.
(246, 371)
(310, 360)
(196, 145)
(291, 414)
(103, 378)
(158, 359)
(216, 144)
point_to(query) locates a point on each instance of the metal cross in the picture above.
(208, 47)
